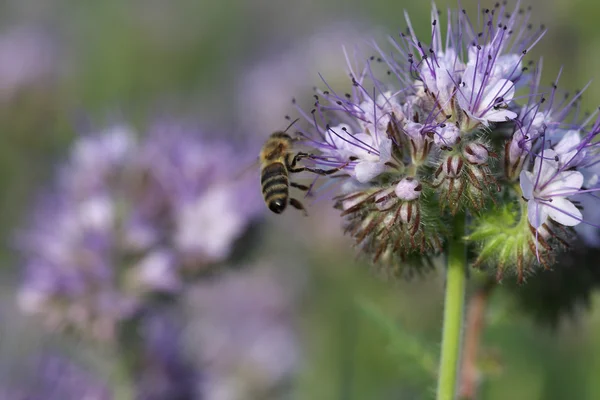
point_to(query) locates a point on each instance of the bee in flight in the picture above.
(277, 161)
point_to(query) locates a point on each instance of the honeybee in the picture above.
(277, 161)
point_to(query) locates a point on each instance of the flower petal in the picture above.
(507, 66)
(564, 212)
(337, 135)
(537, 213)
(385, 149)
(545, 167)
(563, 183)
(470, 82)
(447, 135)
(526, 181)
(367, 170)
(499, 115)
(501, 89)
(568, 149)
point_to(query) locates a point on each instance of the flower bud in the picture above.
(420, 143)
(447, 135)
(407, 212)
(385, 199)
(452, 166)
(515, 153)
(476, 153)
(408, 189)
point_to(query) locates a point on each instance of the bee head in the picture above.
(281, 136)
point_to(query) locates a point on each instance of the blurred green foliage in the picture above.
(364, 338)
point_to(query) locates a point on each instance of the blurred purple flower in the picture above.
(27, 58)
(270, 84)
(166, 372)
(243, 336)
(129, 218)
(51, 377)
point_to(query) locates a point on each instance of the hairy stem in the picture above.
(469, 373)
(456, 282)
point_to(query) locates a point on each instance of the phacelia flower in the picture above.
(129, 218)
(426, 124)
(449, 106)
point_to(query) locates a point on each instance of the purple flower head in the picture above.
(470, 75)
(242, 334)
(128, 218)
(402, 148)
(195, 181)
(459, 83)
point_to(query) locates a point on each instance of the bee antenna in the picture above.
(290, 125)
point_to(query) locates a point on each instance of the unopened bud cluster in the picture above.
(442, 133)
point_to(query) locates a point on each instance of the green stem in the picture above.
(122, 381)
(456, 282)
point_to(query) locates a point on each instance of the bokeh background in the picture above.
(70, 67)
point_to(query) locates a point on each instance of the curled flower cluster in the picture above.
(129, 220)
(419, 143)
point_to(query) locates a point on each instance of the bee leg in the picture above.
(298, 206)
(292, 163)
(320, 171)
(304, 188)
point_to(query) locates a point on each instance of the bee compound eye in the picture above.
(277, 206)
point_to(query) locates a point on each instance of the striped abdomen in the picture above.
(275, 185)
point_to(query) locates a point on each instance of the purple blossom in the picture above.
(479, 66)
(206, 222)
(543, 120)
(52, 377)
(458, 84)
(547, 188)
(128, 218)
(242, 334)
(562, 184)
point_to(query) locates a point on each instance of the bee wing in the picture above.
(247, 169)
